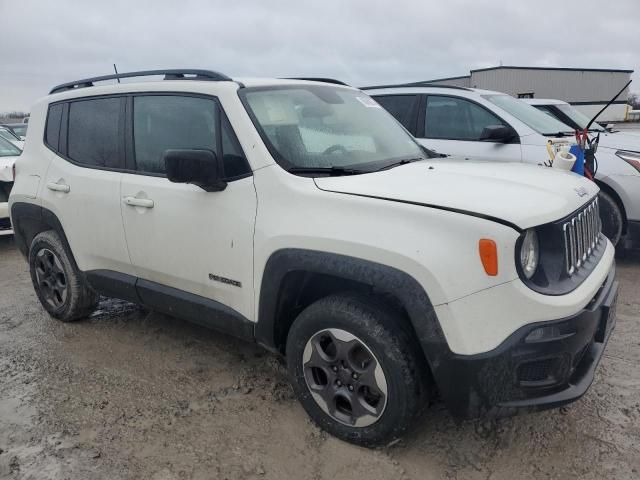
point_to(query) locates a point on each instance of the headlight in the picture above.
(529, 253)
(632, 158)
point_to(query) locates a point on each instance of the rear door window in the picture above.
(94, 136)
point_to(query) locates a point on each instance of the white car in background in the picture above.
(485, 125)
(8, 155)
(11, 137)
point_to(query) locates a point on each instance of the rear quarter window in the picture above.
(52, 129)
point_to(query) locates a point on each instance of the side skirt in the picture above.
(172, 301)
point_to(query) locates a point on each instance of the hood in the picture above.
(521, 195)
(620, 141)
(6, 168)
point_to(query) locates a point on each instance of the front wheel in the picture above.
(356, 371)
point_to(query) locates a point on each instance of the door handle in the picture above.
(58, 187)
(138, 202)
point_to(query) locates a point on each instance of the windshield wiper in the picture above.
(400, 162)
(333, 171)
(559, 134)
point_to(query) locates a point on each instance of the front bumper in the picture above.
(520, 375)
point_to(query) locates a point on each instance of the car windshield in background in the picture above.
(8, 149)
(20, 129)
(323, 127)
(581, 120)
(8, 135)
(534, 118)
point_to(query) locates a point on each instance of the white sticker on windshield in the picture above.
(368, 102)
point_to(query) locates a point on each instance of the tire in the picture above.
(337, 349)
(61, 289)
(611, 217)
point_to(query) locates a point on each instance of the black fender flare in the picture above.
(381, 277)
(28, 220)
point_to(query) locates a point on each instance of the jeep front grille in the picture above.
(581, 236)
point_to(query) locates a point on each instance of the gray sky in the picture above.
(47, 42)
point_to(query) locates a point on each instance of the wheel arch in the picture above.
(291, 275)
(616, 198)
(29, 220)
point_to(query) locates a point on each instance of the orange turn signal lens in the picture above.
(489, 256)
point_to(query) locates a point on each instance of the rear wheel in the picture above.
(611, 217)
(60, 287)
(356, 371)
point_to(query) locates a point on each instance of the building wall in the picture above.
(615, 113)
(454, 81)
(588, 90)
(568, 85)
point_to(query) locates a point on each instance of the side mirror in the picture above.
(497, 133)
(200, 167)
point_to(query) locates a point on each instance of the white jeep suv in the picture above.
(300, 215)
(485, 125)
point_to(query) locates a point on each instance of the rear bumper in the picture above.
(533, 375)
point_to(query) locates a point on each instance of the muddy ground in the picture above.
(130, 394)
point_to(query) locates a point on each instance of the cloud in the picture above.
(360, 42)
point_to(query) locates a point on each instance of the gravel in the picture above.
(133, 394)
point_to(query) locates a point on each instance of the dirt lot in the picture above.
(133, 394)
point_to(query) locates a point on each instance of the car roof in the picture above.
(179, 85)
(543, 101)
(441, 89)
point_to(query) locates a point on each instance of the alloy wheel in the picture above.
(344, 377)
(51, 278)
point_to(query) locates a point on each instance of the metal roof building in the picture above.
(588, 89)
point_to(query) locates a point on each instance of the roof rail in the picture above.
(318, 79)
(206, 75)
(425, 83)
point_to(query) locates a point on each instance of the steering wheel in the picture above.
(335, 148)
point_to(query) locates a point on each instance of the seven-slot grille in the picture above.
(581, 236)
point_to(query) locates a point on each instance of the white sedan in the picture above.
(624, 180)
(8, 155)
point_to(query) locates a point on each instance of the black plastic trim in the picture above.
(487, 383)
(172, 301)
(29, 220)
(173, 74)
(203, 311)
(114, 284)
(318, 79)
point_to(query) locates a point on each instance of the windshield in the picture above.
(540, 122)
(323, 127)
(7, 135)
(20, 130)
(581, 120)
(8, 149)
